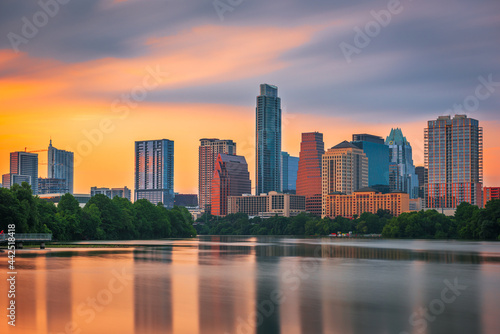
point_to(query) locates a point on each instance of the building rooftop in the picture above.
(345, 144)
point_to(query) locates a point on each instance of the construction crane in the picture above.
(26, 150)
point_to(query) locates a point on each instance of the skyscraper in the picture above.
(207, 154)
(454, 158)
(154, 171)
(60, 165)
(312, 149)
(402, 175)
(289, 168)
(378, 157)
(268, 140)
(345, 170)
(231, 178)
(23, 168)
(422, 176)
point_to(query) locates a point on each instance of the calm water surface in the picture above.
(258, 285)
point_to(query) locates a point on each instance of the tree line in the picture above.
(102, 218)
(469, 222)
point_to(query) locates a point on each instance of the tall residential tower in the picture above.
(268, 140)
(454, 158)
(60, 166)
(154, 171)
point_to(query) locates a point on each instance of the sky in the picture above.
(96, 75)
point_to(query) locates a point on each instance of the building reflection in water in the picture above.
(153, 290)
(59, 295)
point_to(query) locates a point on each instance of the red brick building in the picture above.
(312, 149)
(490, 193)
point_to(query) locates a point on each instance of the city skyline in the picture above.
(64, 83)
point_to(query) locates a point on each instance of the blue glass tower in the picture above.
(154, 171)
(289, 169)
(378, 158)
(402, 175)
(60, 166)
(268, 140)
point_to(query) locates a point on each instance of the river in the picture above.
(241, 285)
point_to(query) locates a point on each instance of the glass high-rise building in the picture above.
(60, 166)
(378, 157)
(23, 168)
(422, 180)
(207, 154)
(154, 171)
(454, 159)
(268, 140)
(312, 149)
(289, 168)
(402, 175)
(231, 178)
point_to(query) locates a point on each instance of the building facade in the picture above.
(402, 175)
(378, 157)
(207, 154)
(60, 165)
(267, 205)
(312, 149)
(365, 200)
(8, 180)
(186, 200)
(454, 159)
(52, 186)
(154, 171)
(268, 140)
(111, 192)
(344, 170)
(490, 193)
(23, 168)
(422, 175)
(289, 169)
(231, 178)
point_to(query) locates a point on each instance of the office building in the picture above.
(345, 170)
(60, 165)
(289, 168)
(490, 193)
(186, 200)
(422, 180)
(454, 159)
(154, 171)
(23, 168)
(82, 199)
(312, 149)
(402, 175)
(8, 180)
(365, 200)
(208, 151)
(52, 186)
(231, 178)
(378, 157)
(111, 192)
(267, 205)
(268, 140)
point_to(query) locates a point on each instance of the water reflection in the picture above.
(253, 285)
